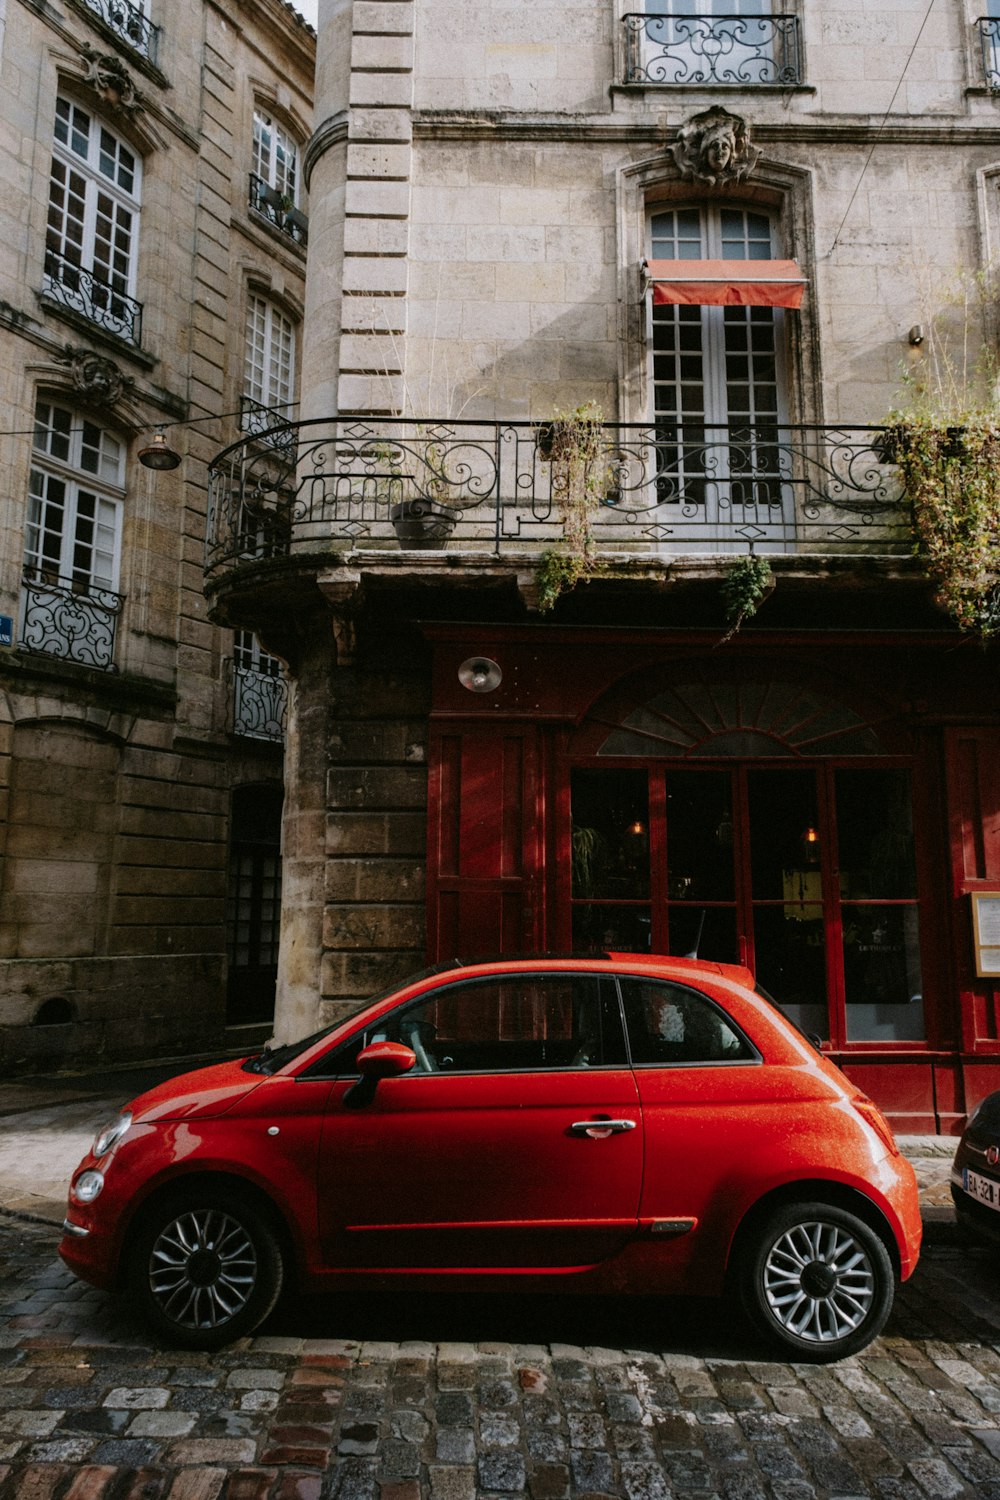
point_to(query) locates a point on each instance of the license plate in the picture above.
(983, 1189)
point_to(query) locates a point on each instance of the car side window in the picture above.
(512, 1024)
(669, 1023)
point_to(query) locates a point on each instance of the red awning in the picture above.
(727, 283)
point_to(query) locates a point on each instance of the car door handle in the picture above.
(598, 1129)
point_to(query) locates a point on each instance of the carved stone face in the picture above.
(720, 148)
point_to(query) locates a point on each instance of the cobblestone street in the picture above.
(397, 1398)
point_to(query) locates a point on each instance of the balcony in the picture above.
(85, 293)
(61, 619)
(270, 428)
(745, 51)
(278, 210)
(989, 42)
(129, 24)
(260, 704)
(497, 488)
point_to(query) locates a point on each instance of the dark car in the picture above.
(975, 1174)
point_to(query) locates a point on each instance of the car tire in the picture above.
(817, 1282)
(204, 1268)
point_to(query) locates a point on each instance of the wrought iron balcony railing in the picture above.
(276, 208)
(745, 50)
(268, 425)
(260, 704)
(497, 486)
(989, 41)
(60, 618)
(129, 23)
(84, 292)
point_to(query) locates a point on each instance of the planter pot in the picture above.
(423, 525)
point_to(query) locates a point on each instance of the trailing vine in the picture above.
(744, 589)
(946, 442)
(575, 445)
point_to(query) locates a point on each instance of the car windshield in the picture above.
(273, 1058)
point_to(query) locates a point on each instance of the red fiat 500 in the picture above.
(619, 1124)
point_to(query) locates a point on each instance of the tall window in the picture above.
(93, 222)
(712, 42)
(275, 157)
(719, 389)
(73, 537)
(260, 690)
(130, 22)
(989, 38)
(274, 181)
(268, 369)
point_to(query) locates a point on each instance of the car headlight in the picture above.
(110, 1135)
(87, 1186)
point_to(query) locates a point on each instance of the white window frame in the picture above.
(269, 356)
(95, 192)
(276, 156)
(73, 534)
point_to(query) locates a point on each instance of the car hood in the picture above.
(199, 1095)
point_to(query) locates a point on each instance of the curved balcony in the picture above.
(498, 488)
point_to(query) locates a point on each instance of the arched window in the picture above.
(93, 222)
(72, 544)
(755, 819)
(718, 379)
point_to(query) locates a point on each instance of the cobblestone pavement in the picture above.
(405, 1397)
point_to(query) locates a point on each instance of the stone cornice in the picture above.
(604, 129)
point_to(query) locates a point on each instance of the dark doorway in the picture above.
(254, 906)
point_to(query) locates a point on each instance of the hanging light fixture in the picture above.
(157, 455)
(480, 674)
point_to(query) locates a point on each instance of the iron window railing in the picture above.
(260, 704)
(276, 208)
(59, 618)
(989, 41)
(129, 23)
(744, 50)
(497, 486)
(268, 426)
(80, 290)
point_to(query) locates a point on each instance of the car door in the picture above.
(514, 1142)
(708, 1106)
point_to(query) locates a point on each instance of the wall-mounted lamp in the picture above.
(156, 454)
(916, 335)
(480, 674)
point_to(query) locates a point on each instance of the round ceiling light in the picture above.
(480, 674)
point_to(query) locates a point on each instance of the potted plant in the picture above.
(575, 445)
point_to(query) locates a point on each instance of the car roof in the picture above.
(617, 960)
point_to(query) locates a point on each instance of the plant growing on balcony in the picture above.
(744, 589)
(574, 444)
(946, 442)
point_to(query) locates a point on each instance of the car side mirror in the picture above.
(378, 1060)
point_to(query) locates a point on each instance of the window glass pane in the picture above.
(703, 932)
(784, 831)
(699, 836)
(518, 1024)
(789, 943)
(622, 929)
(668, 1023)
(610, 835)
(875, 834)
(882, 982)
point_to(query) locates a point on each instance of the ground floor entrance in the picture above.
(819, 811)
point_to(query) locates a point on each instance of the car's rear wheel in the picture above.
(818, 1282)
(205, 1268)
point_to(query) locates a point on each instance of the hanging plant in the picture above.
(744, 589)
(946, 443)
(951, 475)
(575, 445)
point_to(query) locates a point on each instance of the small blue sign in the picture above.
(6, 630)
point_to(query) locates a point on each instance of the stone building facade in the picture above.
(616, 300)
(155, 224)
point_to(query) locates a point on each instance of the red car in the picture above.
(615, 1124)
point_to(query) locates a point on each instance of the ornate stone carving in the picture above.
(112, 82)
(95, 378)
(714, 148)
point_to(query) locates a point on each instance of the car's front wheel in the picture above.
(818, 1282)
(204, 1268)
